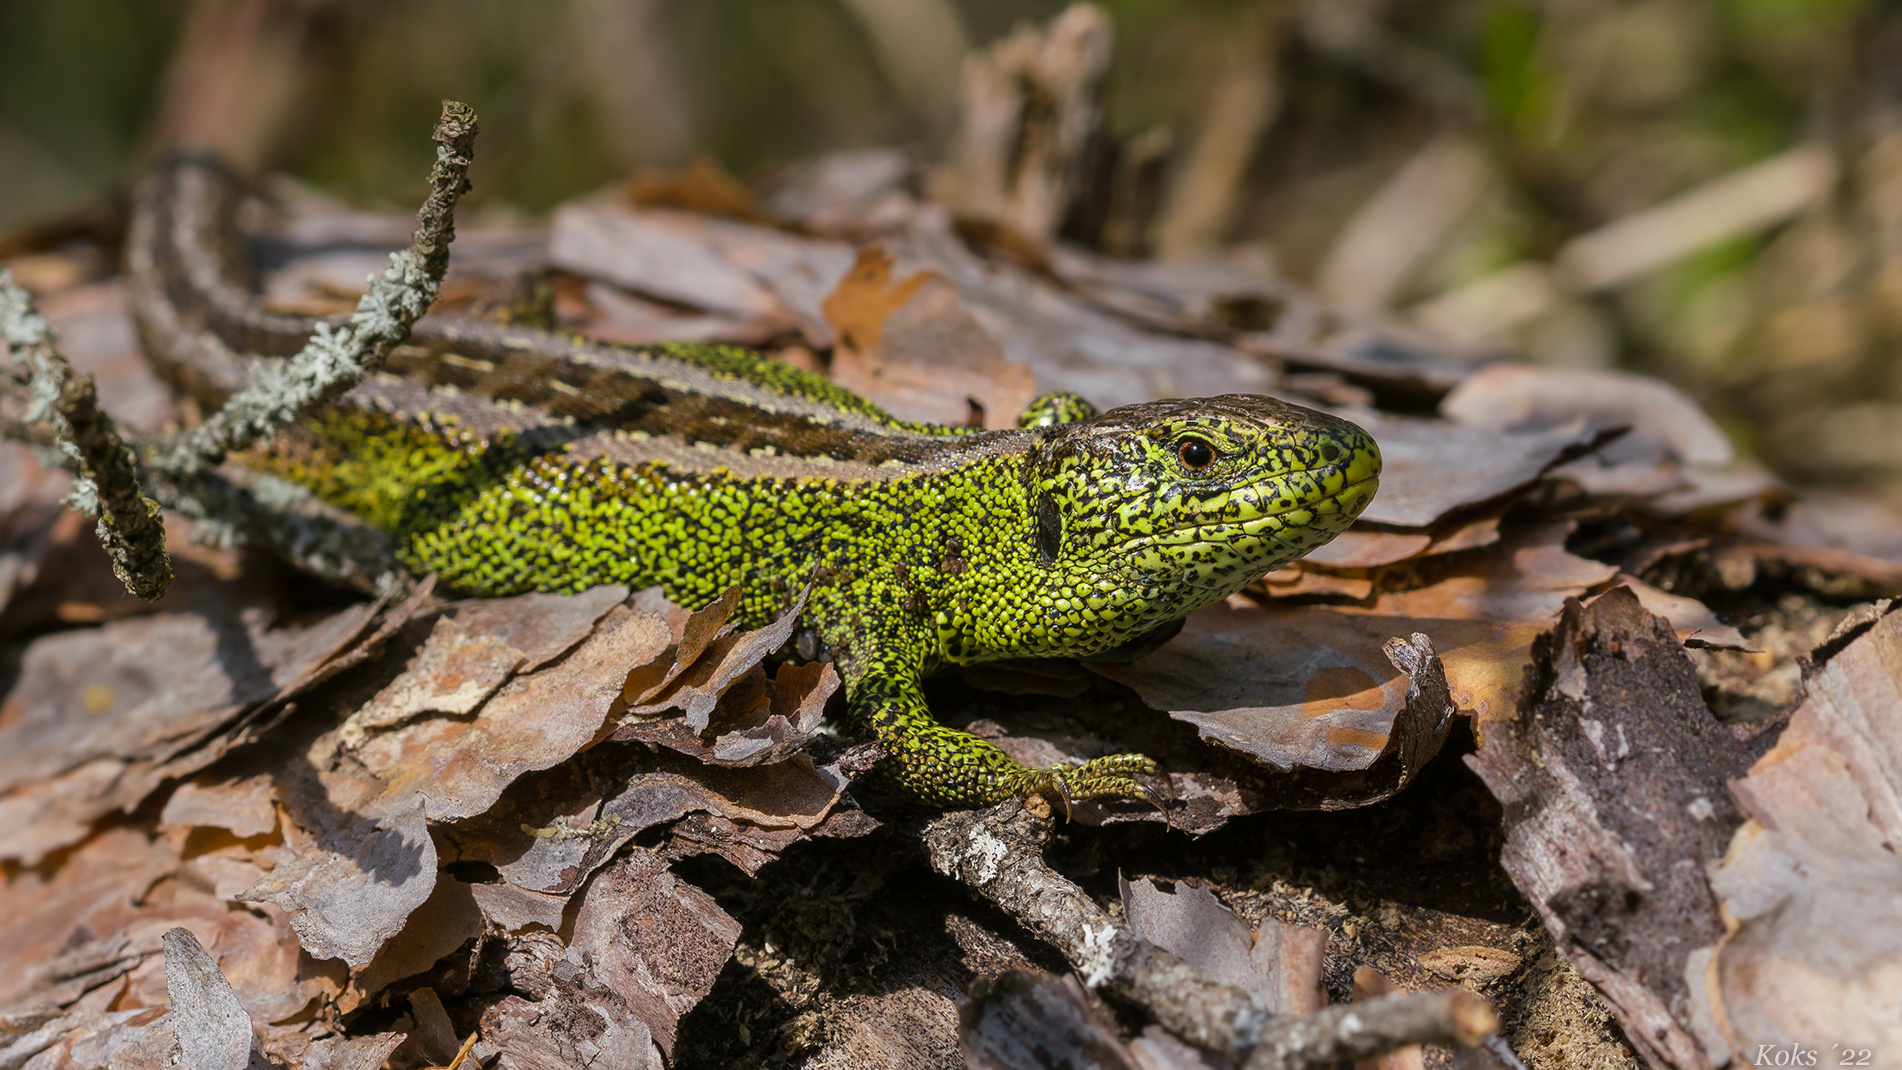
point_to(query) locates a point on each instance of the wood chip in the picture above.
(214, 1032)
(1613, 784)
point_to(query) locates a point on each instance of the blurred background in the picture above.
(1705, 190)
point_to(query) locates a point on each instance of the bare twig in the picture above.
(337, 359)
(998, 854)
(1351, 1031)
(106, 476)
(180, 473)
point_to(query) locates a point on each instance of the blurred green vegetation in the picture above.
(765, 81)
(77, 81)
(768, 81)
(1583, 111)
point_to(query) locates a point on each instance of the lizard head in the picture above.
(1186, 501)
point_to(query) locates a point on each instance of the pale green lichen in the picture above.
(105, 471)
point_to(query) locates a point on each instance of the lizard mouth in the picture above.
(1254, 523)
(1212, 558)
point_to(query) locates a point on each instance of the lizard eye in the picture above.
(1195, 454)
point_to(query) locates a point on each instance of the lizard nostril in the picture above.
(1330, 453)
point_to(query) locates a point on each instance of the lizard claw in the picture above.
(1109, 777)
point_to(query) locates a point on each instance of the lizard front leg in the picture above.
(944, 767)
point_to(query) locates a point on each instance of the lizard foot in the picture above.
(1110, 777)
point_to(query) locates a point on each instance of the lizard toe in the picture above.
(1110, 777)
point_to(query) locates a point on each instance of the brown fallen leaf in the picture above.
(1295, 584)
(1675, 460)
(81, 939)
(746, 272)
(709, 659)
(460, 767)
(848, 194)
(702, 187)
(1071, 344)
(867, 296)
(453, 674)
(245, 807)
(1509, 396)
(1283, 693)
(106, 716)
(1254, 309)
(914, 348)
(445, 921)
(1433, 467)
(298, 1050)
(757, 721)
(369, 862)
(214, 1032)
(1367, 545)
(135, 1039)
(475, 647)
(1696, 625)
(43, 963)
(1304, 701)
(646, 948)
(354, 889)
(558, 827)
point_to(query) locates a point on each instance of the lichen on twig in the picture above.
(998, 854)
(105, 469)
(126, 487)
(336, 359)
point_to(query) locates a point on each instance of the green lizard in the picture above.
(509, 458)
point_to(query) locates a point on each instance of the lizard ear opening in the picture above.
(1049, 529)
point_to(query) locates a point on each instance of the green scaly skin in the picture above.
(1066, 539)
(510, 458)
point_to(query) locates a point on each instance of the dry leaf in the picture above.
(866, 296)
(914, 348)
(702, 187)
(535, 721)
(1811, 888)
(351, 896)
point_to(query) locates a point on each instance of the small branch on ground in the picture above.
(1348, 1032)
(998, 854)
(179, 472)
(105, 471)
